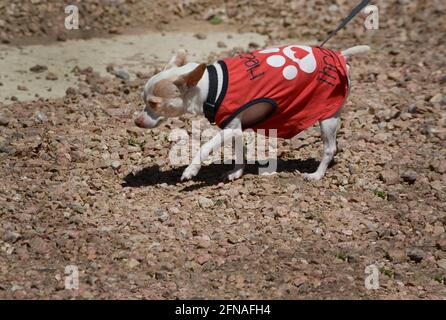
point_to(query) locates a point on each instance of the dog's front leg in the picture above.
(240, 159)
(328, 132)
(224, 135)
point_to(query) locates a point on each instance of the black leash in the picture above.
(352, 14)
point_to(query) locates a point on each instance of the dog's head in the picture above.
(165, 93)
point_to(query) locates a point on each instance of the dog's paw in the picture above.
(190, 172)
(235, 174)
(267, 173)
(315, 176)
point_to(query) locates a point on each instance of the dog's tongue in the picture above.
(299, 53)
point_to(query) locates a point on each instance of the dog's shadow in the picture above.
(209, 175)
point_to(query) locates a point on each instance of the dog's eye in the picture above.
(154, 105)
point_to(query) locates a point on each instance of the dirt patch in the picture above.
(126, 55)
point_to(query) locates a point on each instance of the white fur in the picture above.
(355, 50)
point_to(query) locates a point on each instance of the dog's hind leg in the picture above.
(328, 131)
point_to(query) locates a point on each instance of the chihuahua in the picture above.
(281, 91)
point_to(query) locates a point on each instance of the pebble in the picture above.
(441, 244)
(41, 116)
(71, 91)
(396, 255)
(162, 215)
(442, 263)
(436, 98)
(205, 202)
(38, 68)
(121, 74)
(79, 208)
(115, 164)
(12, 236)
(133, 263)
(412, 108)
(51, 76)
(221, 44)
(416, 254)
(392, 196)
(390, 177)
(409, 176)
(200, 36)
(4, 121)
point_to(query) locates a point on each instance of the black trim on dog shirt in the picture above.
(212, 103)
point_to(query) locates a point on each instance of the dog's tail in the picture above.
(355, 50)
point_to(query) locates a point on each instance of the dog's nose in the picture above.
(139, 122)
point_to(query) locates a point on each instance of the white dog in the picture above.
(286, 89)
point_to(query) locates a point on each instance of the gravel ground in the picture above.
(83, 186)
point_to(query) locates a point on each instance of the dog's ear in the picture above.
(191, 79)
(178, 60)
(154, 99)
(154, 102)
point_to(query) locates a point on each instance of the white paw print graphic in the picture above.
(306, 62)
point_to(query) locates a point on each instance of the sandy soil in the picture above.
(128, 53)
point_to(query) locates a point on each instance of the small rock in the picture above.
(437, 98)
(41, 116)
(299, 281)
(202, 259)
(396, 255)
(428, 130)
(392, 196)
(162, 215)
(253, 45)
(79, 208)
(133, 263)
(412, 108)
(438, 165)
(87, 295)
(71, 91)
(409, 176)
(416, 254)
(16, 287)
(441, 244)
(205, 202)
(51, 76)
(200, 36)
(38, 68)
(389, 177)
(4, 121)
(442, 264)
(115, 164)
(22, 88)
(333, 8)
(121, 74)
(61, 37)
(437, 185)
(6, 149)
(12, 237)
(221, 44)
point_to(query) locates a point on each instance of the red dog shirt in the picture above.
(303, 84)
